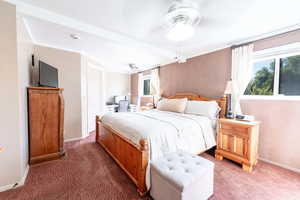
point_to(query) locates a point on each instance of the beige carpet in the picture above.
(88, 173)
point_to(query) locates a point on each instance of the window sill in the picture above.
(273, 98)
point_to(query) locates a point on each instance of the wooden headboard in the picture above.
(195, 97)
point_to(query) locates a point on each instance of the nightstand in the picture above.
(238, 141)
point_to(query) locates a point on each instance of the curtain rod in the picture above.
(263, 38)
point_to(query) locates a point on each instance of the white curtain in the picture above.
(140, 89)
(155, 84)
(241, 73)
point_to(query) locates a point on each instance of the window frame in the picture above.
(276, 54)
(146, 77)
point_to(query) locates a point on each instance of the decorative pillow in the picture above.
(172, 105)
(209, 109)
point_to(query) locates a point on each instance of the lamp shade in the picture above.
(228, 89)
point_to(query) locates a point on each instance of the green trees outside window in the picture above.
(262, 82)
(263, 77)
(289, 76)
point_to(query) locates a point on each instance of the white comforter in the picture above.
(164, 131)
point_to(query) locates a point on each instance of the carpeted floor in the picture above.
(88, 173)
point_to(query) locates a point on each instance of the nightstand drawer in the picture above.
(235, 132)
(234, 128)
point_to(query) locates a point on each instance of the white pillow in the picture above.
(172, 105)
(209, 109)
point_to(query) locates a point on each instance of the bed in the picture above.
(134, 139)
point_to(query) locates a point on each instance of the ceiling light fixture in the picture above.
(74, 36)
(181, 20)
(133, 67)
(180, 32)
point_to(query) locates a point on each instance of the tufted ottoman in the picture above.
(181, 175)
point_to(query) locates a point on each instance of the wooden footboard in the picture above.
(132, 158)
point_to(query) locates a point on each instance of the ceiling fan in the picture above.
(179, 24)
(182, 19)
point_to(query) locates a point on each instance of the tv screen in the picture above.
(48, 75)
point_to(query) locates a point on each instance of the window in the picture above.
(289, 76)
(277, 75)
(146, 87)
(262, 82)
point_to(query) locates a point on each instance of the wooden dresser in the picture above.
(46, 123)
(238, 141)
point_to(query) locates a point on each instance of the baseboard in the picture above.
(6, 187)
(18, 184)
(78, 138)
(280, 165)
(23, 179)
(75, 139)
(72, 139)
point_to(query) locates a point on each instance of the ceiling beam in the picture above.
(43, 14)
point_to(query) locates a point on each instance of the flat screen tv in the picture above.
(48, 75)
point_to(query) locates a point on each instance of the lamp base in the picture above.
(229, 115)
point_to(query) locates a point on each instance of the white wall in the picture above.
(15, 48)
(69, 77)
(84, 96)
(25, 50)
(9, 103)
(116, 84)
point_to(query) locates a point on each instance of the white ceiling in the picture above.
(118, 32)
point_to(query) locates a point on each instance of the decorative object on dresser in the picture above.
(46, 123)
(238, 141)
(133, 157)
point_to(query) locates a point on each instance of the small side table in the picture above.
(238, 141)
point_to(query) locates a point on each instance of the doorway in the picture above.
(95, 94)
